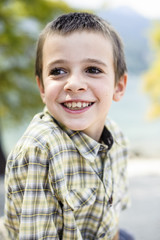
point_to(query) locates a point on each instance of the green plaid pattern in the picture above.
(61, 184)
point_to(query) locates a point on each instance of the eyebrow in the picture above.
(95, 61)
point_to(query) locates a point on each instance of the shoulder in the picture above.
(120, 150)
(119, 159)
(42, 132)
(38, 142)
(34, 150)
(117, 134)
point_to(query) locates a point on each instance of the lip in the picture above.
(77, 100)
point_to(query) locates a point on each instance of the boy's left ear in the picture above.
(120, 88)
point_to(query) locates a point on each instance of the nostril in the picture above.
(81, 89)
(75, 84)
(74, 88)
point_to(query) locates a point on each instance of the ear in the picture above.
(120, 88)
(41, 89)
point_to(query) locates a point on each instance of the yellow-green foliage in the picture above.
(152, 77)
(19, 95)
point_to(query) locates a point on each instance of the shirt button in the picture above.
(102, 235)
(110, 200)
(103, 155)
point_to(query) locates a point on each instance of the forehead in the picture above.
(93, 43)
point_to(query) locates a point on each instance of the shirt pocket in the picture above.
(78, 198)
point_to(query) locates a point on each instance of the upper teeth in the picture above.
(77, 104)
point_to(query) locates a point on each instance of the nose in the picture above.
(75, 83)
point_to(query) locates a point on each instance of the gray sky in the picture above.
(148, 8)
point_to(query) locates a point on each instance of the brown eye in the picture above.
(93, 70)
(57, 71)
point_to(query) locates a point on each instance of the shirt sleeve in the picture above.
(30, 204)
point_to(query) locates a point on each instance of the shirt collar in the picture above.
(87, 146)
(107, 138)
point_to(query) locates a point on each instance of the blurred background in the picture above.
(138, 113)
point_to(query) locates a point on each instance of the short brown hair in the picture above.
(72, 22)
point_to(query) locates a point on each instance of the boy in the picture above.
(66, 177)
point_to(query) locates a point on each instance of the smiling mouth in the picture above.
(77, 105)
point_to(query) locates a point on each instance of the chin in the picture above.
(76, 127)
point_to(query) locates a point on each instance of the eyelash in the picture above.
(93, 70)
(57, 71)
(61, 71)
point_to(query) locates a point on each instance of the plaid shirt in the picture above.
(62, 184)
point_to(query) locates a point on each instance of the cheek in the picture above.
(107, 98)
(52, 90)
(105, 92)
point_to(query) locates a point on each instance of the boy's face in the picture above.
(79, 80)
